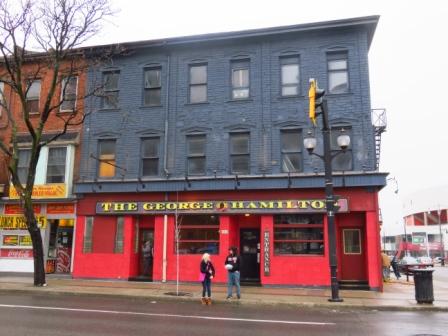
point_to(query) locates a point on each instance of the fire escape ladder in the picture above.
(379, 123)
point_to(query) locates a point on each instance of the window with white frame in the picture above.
(2, 97)
(198, 83)
(33, 96)
(291, 142)
(196, 154)
(69, 87)
(337, 65)
(153, 87)
(111, 91)
(23, 164)
(56, 164)
(290, 76)
(240, 79)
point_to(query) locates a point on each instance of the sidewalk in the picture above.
(397, 295)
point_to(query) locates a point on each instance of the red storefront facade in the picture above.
(253, 221)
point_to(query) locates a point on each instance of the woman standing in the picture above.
(206, 276)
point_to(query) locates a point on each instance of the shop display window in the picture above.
(298, 234)
(197, 234)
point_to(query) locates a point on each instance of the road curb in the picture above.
(168, 298)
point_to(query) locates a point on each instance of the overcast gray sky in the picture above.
(408, 68)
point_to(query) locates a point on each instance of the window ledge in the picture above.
(240, 100)
(349, 93)
(109, 109)
(144, 107)
(291, 97)
(200, 103)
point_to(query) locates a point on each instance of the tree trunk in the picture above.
(36, 238)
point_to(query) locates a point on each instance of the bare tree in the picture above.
(42, 38)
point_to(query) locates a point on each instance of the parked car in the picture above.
(406, 263)
(425, 261)
(437, 260)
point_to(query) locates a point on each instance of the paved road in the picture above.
(95, 316)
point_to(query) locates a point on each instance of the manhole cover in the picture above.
(178, 294)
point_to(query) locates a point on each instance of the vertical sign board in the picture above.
(266, 252)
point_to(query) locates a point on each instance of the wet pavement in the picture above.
(69, 315)
(397, 295)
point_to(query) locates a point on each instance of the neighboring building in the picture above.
(197, 145)
(54, 201)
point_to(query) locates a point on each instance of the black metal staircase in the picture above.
(379, 123)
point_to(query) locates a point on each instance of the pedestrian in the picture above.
(394, 264)
(207, 273)
(147, 257)
(386, 266)
(232, 265)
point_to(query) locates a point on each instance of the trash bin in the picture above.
(424, 292)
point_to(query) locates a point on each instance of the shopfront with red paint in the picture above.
(281, 236)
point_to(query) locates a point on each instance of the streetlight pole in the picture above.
(442, 247)
(316, 100)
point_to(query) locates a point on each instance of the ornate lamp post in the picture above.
(310, 142)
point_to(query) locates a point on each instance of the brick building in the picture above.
(54, 201)
(197, 145)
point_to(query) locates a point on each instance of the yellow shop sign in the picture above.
(18, 222)
(57, 190)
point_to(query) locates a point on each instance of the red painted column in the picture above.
(129, 255)
(158, 248)
(373, 243)
(225, 234)
(79, 242)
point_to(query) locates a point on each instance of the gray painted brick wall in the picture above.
(263, 115)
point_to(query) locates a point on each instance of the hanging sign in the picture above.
(266, 253)
(231, 207)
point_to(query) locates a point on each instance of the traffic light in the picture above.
(316, 97)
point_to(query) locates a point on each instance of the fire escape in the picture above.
(379, 123)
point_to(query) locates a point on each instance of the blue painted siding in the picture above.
(263, 115)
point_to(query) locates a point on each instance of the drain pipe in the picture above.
(165, 168)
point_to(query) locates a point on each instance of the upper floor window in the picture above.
(69, 88)
(343, 161)
(290, 76)
(337, 72)
(240, 79)
(33, 96)
(23, 164)
(291, 150)
(198, 83)
(150, 156)
(196, 154)
(111, 92)
(56, 164)
(239, 153)
(106, 158)
(153, 87)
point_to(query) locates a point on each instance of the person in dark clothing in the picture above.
(394, 264)
(207, 274)
(232, 265)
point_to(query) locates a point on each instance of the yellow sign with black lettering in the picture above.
(19, 223)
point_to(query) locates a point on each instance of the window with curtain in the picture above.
(33, 96)
(56, 164)
(290, 76)
(153, 87)
(240, 79)
(106, 158)
(337, 65)
(198, 83)
(291, 142)
(23, 164)
(69, 87)
(111, 91)
(198, 234)
(298, 234)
